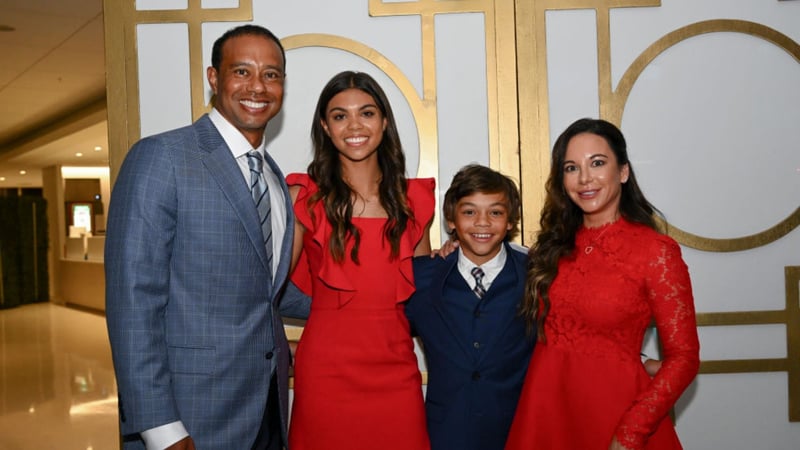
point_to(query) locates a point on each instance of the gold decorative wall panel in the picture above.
(616, 105)
(500, 75)
(535, 154)
(121, 20)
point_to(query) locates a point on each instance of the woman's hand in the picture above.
(615, 445)
(652, 366)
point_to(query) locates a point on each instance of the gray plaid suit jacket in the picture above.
(192, 316)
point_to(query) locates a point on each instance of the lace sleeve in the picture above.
(669, 294)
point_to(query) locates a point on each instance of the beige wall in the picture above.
(53, 192)
(82, 283)
(72, 279)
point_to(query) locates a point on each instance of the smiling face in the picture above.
(593, 178)
(481, 221)
(248, 86)
(355, 125)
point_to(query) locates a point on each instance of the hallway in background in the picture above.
(57, 387)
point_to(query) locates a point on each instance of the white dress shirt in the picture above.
(490, 268)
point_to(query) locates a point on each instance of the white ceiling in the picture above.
(52, 73)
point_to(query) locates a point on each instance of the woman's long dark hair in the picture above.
(561, 218)
(326, 171)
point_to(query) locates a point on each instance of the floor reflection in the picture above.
(57, 388)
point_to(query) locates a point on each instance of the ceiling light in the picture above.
(2, 178)
(98, 148)
(23, 172)
(79, 154)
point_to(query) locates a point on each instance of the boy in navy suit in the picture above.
(465, 310)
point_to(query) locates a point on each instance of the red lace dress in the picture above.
(587, 384)
(357, 385)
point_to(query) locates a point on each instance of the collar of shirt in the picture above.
(236, 141)
(490, 268)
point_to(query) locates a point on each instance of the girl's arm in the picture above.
(424, 245)
(299, 231)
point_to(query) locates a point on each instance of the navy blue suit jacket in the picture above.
(193, 314)
(477, 351)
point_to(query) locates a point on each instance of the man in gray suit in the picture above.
(196, 268)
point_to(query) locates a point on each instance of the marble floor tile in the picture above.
(57, 387)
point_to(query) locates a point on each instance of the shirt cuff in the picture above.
(163, 436)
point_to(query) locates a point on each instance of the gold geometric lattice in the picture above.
(790, 317)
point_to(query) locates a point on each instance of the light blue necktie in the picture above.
(260, 192)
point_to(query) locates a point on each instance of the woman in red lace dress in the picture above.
(599, 272)
(359, 223)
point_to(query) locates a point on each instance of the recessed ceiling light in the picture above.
(79, 154)
(98, 148)
(2, 178)
(23, 172)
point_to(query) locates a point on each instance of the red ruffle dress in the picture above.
(587, 384)
(357, 385)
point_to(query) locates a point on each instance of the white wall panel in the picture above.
(165, 101)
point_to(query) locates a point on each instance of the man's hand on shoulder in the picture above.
(448, 247)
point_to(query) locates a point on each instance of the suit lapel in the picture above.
(285, 253)
(438, 294)
(506, 280)
(224, 169)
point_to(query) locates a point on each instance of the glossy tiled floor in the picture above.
(57, 388)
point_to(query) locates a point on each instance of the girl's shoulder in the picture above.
(421, 184)
(301, 180)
